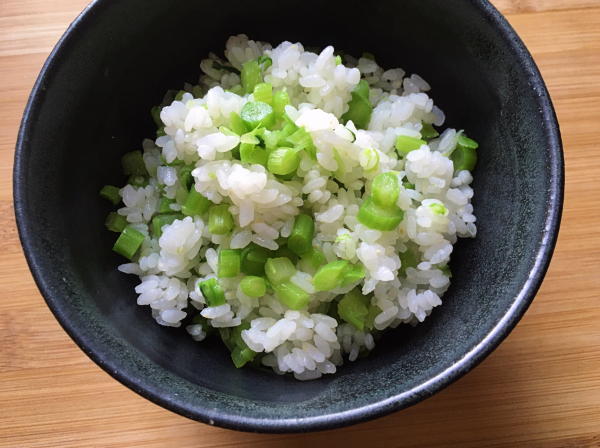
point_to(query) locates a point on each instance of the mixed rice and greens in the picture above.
(295, 203)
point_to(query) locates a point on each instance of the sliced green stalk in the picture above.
(379, 218)
(352, 273)
(237, 89)
(250, 75)
(408, 185)
(283, 161)
(115, 222)
(250, 153)
(300, 240)
(159, 221)
(406, 144)
(408, 259)
(284, 251)
(195, 204)
(385, 190)
(313, 257)
(279, 270)
(219, 66)
(292, 295)
(128, 242)
(353, 309)
(280, 100)
(438, 209)
(428, 132)
(463, 140)
(264, 92)
(340, 173)
(155, 112)
(330, 276)
(179, 95)
(254, 258)
(229, 263)
(133, 163)
(185, 176)
(197, 92)
(464, 158)
(360, 108)
(254, 286)
(266, 60)
(236, 124)
(374, 311)
(111, 193)
(257, 114)
(165, 205)
(446, 270)
(138, 181)
(338, 60)
(220, 221)
(212, 292)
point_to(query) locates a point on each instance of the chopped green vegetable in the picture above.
(155, 112)
(313, 257)
(438, 209)
(283, 161)
(446, 270)
(220, 221)
(428, 132)
(292, 295)
(280, 100)
(129, 242)
(338, 60)
(408, 185)
(374, 311)
(253, 286)
(185, 176)
(342, 237)
(217, 66)
(228, 263)
(250, 75)
(236, 124)
(138, 181)
(165, 205)
(385, 190)
(463, 140)
(196, 204)
(179, 95)
(279, 270)
(352, 273)
(197, 92)
(264, 92)
(115, 222)
(254, 258)
(368, 56)
(111, 193)
(257, 114)
(340, 173)
(353, 309)
(212, 292)
(250, 153)
(360, 108)
(265, 59)
(330, 276)
(408, 259)
(284, 251)
(379, 218)
(133, 163)
(464, 157)
(406, 144)
(237, 89)
(300, 239)
(159, 221)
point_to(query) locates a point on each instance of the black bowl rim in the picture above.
(330, 421)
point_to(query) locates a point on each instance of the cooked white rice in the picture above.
(308, 342)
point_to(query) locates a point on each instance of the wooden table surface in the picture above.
(540, 388)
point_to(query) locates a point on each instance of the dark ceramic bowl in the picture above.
(91, 104)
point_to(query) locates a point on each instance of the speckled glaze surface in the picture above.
(91, 104)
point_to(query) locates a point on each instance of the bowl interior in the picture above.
(93, 104)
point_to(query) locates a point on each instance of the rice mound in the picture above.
(308, 342)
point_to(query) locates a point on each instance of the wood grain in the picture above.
(540, 388)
